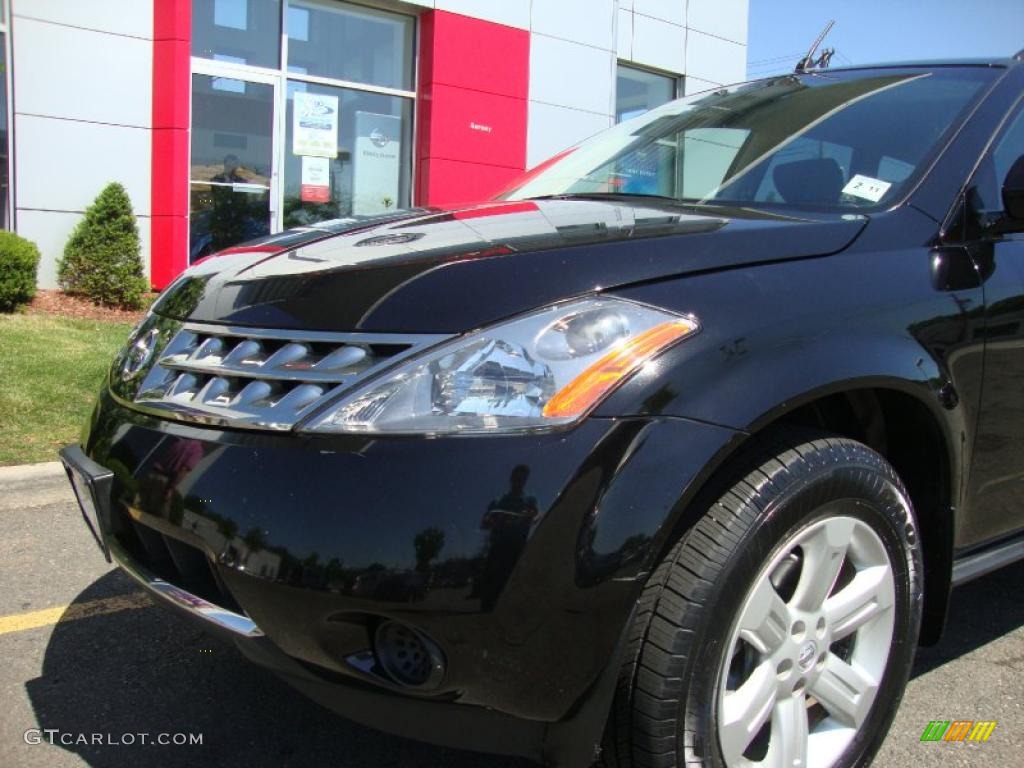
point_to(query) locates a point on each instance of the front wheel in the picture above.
(780, 630)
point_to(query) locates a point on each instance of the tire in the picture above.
(746, 596)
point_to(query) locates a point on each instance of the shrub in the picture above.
(19, 259)
(101, 259)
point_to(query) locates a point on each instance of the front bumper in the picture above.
(298, 547)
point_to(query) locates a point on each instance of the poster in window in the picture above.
(315, 125)
(377, 165)
(316, 180)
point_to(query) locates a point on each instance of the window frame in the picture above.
(5, 30)
(678, 80)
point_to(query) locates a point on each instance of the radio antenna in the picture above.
(808, 61)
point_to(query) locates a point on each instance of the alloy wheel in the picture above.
(808, 650)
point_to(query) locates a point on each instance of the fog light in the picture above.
(408, 656)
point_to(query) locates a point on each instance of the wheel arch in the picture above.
(905, 422)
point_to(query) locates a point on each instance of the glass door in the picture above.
(233, 180)
(302, 110)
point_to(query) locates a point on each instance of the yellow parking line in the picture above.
(59, 614)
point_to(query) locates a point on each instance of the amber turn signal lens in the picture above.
(599, 379)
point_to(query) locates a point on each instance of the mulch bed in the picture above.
(66, 305)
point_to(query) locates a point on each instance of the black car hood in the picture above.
(450, 271)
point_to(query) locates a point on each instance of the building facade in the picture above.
(229, 119)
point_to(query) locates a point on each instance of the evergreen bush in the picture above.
(101, 259)
(19, 259)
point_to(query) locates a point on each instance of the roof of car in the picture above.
(1004, 61)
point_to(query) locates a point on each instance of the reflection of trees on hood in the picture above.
(428, 544)
(182, 300)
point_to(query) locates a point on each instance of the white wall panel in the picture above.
(514, 13)
(63, 164)
(121, 17)
(591, 22)
(722, 18)
(715, 59)
(50, 231)
(552, 129)
(659, 44)
(693, 85)
(673, 11)
(84, 75)
(625, 35)
(571, 75)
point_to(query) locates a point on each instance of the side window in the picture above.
(986, 191)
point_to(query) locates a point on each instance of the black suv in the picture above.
(669, 455)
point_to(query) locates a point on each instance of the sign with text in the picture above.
(377, 166)
(315, 125)
(316, 180)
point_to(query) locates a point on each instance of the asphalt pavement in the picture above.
(86, 653)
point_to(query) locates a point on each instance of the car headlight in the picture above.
(544, 369)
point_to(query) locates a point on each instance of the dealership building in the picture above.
(230, 119)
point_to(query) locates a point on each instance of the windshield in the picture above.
(827, 141)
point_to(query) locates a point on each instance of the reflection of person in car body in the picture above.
(176, 459)
(230, 173)
(508, 520)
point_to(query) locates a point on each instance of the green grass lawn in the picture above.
(50, 371)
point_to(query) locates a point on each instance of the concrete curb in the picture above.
(46, 470)
(29, 486)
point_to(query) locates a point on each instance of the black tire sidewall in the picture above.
(862, 490)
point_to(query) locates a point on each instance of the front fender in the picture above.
(778, 336)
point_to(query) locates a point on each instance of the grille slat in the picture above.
(259, 378)
(248, 352)
(295, 361)
(340, 359)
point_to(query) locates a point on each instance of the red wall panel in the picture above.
(472, 107)
(451, 182)
(172, 26)
(475, 126)
(476, 54)
(169, 193)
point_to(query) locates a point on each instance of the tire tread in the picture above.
(649, 698)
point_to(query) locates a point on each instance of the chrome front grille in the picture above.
(254, 378)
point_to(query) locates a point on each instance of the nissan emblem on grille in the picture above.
(139, 354)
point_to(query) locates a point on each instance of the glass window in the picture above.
(232, 152)
(345, 42)
(237, 31)
(369, 170)
(829, 143)
(637, 90)
(986, 195)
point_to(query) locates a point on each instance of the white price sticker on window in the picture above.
(866, 188)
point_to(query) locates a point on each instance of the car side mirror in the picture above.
(1013, 193)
